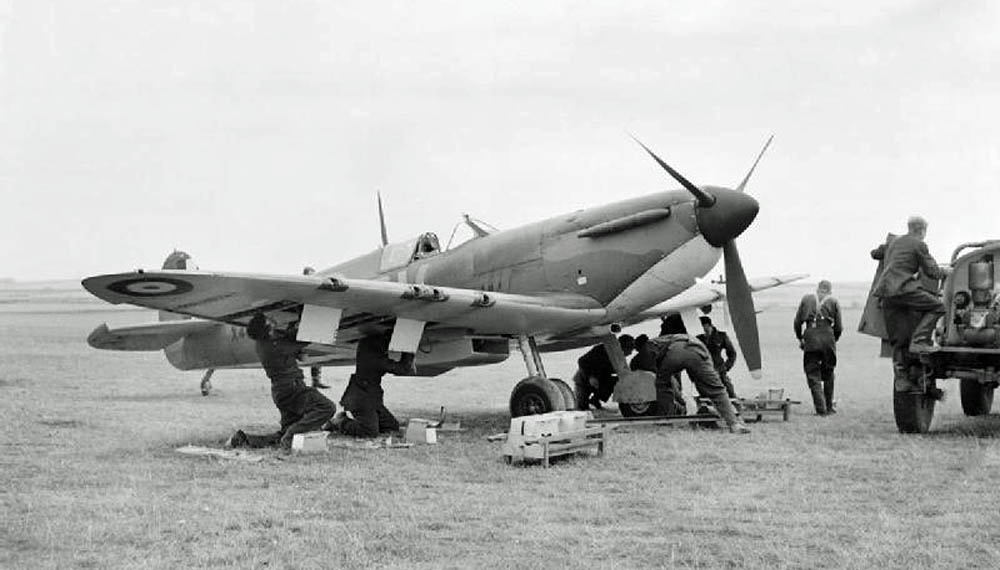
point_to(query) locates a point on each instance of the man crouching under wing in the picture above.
(303, 408)
(365, 414)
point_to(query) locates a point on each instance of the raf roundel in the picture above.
(151, 287)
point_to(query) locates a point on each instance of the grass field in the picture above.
(91, 478)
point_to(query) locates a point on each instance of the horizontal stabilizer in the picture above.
(154, 336)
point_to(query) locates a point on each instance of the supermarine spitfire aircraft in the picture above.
(562, 283)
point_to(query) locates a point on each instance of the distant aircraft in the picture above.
(562, 283)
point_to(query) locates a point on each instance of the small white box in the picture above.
(572, 420)
(309, 442)
(419, 431)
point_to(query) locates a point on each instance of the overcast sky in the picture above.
(254, 135)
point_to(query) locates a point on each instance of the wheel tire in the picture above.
(913, 412)
(637, 410)
(535, 396)
(977, 399)
(569, 396)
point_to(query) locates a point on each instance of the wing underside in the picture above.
(367, 306)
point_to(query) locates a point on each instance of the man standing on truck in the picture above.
(899, 285)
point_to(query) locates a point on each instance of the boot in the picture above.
(725, 407)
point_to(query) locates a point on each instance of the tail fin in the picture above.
(176, 260)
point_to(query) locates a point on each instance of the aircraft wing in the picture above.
(367, 305)
(152, 336)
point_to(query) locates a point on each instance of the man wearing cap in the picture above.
(717, 342)
(818, 327)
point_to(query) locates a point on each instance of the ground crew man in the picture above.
(645, 359)
(818, 327)
(595, 378)
(365, 414)
(302, 408)
(717, 342)
(899, 284)
(680, 351)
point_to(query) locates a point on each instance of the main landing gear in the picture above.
(538, 394)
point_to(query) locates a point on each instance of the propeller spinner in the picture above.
(722, 215)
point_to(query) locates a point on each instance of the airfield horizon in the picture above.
(93, 479)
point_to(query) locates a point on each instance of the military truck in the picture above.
(967, 340)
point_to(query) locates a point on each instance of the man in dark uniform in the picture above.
(365, 414)
(717, 342)
(595, 379)
(818, 327)
(904, 259)
(302, 408)
(680, 351)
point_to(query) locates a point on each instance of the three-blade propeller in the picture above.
(722, 215)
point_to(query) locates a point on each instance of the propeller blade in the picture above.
(704, 198)
(746, 179)
(741, 308)
(381, 221)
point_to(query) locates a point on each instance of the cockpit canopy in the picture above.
(402, 253)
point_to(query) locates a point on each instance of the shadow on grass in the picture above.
(985, 427)
(154, 398)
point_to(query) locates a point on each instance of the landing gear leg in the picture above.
(206, 382)
(537, 394)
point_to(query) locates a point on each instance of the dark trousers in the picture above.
(722, 372)
(585, 390)
(902, 323)
(819, 365)
(305, 412)
(694, 359)
(669, 398)
(364, 399)
(926, 304)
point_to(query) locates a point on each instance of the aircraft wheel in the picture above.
(637, 410)
(535, 395)
(977, 399)
(913, 411)
(569, 396)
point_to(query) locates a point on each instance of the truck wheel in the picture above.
(569, 396)
(913, 411)
(535, 395)
(637, 410)
(977, 399)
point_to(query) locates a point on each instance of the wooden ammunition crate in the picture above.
(543, 448)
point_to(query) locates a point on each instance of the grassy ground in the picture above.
(91, 478)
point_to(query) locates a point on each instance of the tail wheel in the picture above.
(535, 395)
(637, 410)
(977, 398)
(913, 411)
